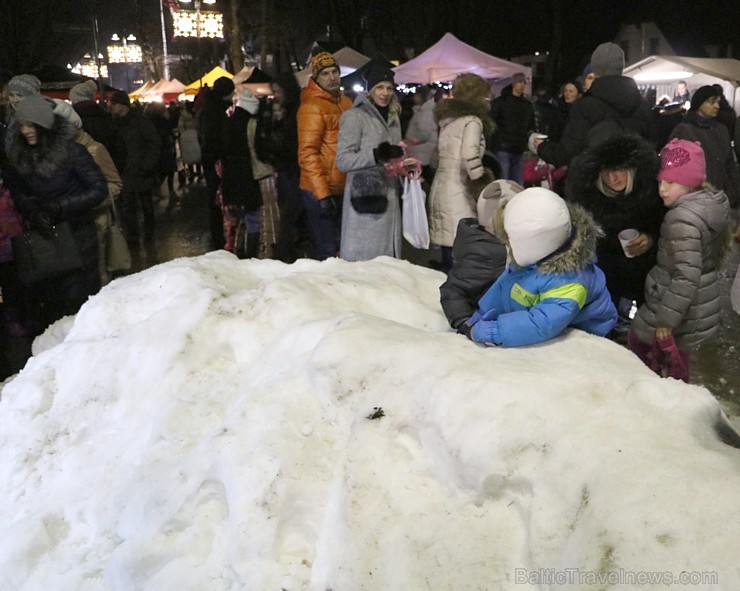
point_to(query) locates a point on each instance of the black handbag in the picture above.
(38, 257)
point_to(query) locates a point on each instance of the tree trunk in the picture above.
(233, 35)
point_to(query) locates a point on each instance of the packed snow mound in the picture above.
(216, 424)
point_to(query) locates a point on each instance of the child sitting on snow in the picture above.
(553, 281)
(682, 291)
(478, 257)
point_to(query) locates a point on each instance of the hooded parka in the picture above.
(641, 209)
(461, 146)
(614, 98)
(566, 289)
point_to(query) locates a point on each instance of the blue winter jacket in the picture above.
(538, 302)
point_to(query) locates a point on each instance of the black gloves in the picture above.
(330, 206)
(43, 215)
(386, 151)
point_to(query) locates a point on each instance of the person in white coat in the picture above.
(422, 132)
(464, 123)
(368, 136)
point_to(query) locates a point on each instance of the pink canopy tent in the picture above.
(449, 57)
(166, 90)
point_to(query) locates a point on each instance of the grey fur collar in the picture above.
(48, 156)
(455, 109)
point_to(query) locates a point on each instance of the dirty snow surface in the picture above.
(215, 424)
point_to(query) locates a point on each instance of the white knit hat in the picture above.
(492, 197)
(537, 222)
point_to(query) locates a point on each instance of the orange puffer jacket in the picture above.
(318, 133)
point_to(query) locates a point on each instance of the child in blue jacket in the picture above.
(553, 281)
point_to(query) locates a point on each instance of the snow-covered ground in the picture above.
(206, 425)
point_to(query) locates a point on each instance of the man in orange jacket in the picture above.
(322, 183)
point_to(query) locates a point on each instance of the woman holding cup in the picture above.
(616, 182)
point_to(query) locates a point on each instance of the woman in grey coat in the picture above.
(368, 134)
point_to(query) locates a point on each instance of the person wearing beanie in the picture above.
(479, 257)
(700, 124)
(322, 183)
(369, 134)
(53, 179)
(587, 77)
(35, 109)
(616, 183)
(240, 193)
(552, 282)
(138, 165)
(513, 114)
(96, 121)
(612, 105)
(464, 123)
(22, 86)
(84, 91)
(607, 60)
(223, 88)
(211, 123)
(682, 291)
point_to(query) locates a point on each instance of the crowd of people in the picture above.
(528, 198)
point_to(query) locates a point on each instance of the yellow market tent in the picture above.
(137, 93)
(207, 79)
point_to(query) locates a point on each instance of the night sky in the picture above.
(508, 28)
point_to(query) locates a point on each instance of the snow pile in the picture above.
(224, 425)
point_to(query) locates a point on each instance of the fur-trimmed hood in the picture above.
(50, 154)
(581, 251)
(621, 152)
(455, 109)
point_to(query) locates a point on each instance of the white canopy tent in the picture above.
(663, 71)
(448, 57)
(347, 58)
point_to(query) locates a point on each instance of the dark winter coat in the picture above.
(479, 260)
(722, 170)
(276, 140)
(514, 118)
(642, 209)
(139, 165)
(167, 154)
(683, 291)
(63, 172)
(101, 126)
(211, 122)
(609, 98)
(237, 183)
(558, 121)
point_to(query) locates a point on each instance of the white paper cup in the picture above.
(625, 237)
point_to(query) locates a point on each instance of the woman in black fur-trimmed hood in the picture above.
(616, 183)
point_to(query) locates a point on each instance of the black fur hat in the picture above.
(621, 152)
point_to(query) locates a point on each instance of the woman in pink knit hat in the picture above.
(682, 291)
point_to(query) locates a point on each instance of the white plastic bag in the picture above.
(415, 223)
(735, 292)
